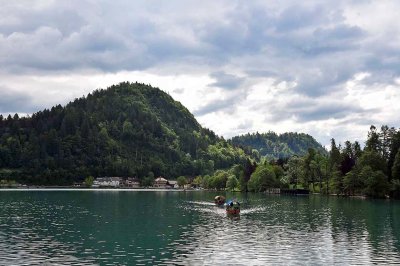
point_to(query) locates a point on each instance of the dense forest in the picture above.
(133, 129)
(129, 129)
(347, 170)
(274, 146)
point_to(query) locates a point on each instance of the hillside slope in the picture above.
(129, 129)
(276, 146)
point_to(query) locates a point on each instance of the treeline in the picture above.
(349, 170)
(274, 146)
(251, 176)
(346, 170)
(129, 129)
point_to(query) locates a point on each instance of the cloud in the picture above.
(283, 66)
(179, 90)
(226, 81)
(218, 105)
(15, 102)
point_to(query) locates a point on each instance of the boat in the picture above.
(232, 207)
(219, 200)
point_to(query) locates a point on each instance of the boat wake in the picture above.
(204, 203)
(253, 210)
(209, 207)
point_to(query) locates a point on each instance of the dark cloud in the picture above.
(226, 81)
(305, 109)
(297, 17)
(225, 105)
(325, 112)
(316, 46)
(15, 102)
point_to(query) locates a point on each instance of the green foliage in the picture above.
(336, 182)
(181, 181)
(206, 182)
(294, 170)
(148, 180)
(198, 181)
(89, 181)
(353, 183)
(219, 179)
(232, 183)
(276, 146)
(126, 130)
(263, 178)
(374, 160)
(396, 167)
(376, 182)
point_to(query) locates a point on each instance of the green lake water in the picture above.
(111, 227)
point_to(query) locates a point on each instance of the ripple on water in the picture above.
(115, 229)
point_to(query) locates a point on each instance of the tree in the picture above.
(262, 179)
(294, 170)
(348, 158)
(219, 179)
(206, 183)
(198, 181)
(396, 167)
(376, 182)
(249, 168)
(394, 147)
(182, 181)
(357, 150)
(319, 165)
(89, 181)
(128, 131)
(353, 183)
(148, 180)
(334, 162)
(232, 183)
(373, 143)
(374, 160)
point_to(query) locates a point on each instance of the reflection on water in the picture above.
(133, 227)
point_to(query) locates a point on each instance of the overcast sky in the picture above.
(326, 68)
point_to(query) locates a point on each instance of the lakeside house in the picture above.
(173, 183)
(132, 182)
(160, 182)
(107, 182)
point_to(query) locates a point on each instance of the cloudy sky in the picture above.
(327, 68)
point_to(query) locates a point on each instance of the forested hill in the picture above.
(129, 129)
(277, 146)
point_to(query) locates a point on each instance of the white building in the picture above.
(173, 183)
(107, 182)
(160, 182)
(132, 182)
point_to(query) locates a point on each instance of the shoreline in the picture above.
(67, 188)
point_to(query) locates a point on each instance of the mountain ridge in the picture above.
(128, 129)
(278, 146)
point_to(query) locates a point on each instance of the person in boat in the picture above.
(232, 207)
(219, 200)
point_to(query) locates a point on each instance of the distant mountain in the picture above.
(277, 146)
(129, 129)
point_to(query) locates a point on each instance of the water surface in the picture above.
(111, 227)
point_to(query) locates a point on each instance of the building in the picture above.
(107, 182)
(132, 182)
(173, 183)
(160, 182)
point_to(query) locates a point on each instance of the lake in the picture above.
(119, 227)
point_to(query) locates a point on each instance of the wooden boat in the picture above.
(232, 207)
(219, 200)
